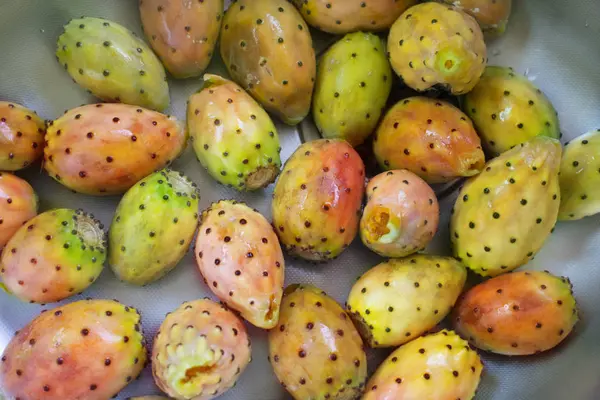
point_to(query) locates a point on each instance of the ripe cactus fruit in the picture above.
(234, 138)
(507, 109)
(439, 366)
(316, 352)
(21, 136)
(400, 299)
(104, 149)
(153, 227)
(241, 261)
(433, 45)
(53, 256)
(354, 80)
(199, 351)
(182, 33)
(112, 63)
(18, 204)
(503, 216)
(279, 69)
(430, 138)
(517, 314)
(492, 15)
(88, 349)
(317, 199)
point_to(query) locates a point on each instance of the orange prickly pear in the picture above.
(18, 204)
(21, 136)
(492, 15)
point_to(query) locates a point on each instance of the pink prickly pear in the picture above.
(21, 136)
(18, 204)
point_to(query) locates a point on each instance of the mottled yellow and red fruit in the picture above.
(430, 138)
(492, 15)
(241, 261)
(199, 351)
(316, 352)
(87, 350)
(21, 136)
(18, 204)
(103, 149)
(517, 314)
(317, 199)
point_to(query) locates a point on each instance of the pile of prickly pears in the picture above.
(498, 142)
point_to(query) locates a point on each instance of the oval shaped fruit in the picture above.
(316, 352)
(430, 138)
(432, 45)
(503, 216)
(317, 199)
(267, 49)
(182, 33)
(439, 366)
(88, 349)
(507, 109)
(400, 299)
(199, 351)
(18, 204)
(519, 313)
(21, 136)
(492, 15)
(103, 149)
(354, 80)
(241, 261)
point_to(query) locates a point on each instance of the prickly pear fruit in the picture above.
(317, 199)
(112, 63)
(519, 313)
(200, 351)
(354, 80)
(503, 216)
(234, 138)
(400, 299)
(18, 204)
(182, 33)
(492, 15)
(345, 16)
(432, 45)
(153, 227)
(21, 136)
(279, 69)
(53, 256)
(89, 349)
(430, 138)
(103, 149)
(440, 366)
(241, 261)
(148, 398)
(579, 178)
(316, 352)
(507, 109)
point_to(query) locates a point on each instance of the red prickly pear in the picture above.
(492, 15)
(18, 204)
(21, 136)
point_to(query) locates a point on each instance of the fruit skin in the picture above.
(354, 80)
(55, 255)
(267, 49)
(199, 351)
(104, 149)
(432, 45)
(241, 261)
(233, 137)
(400, 299)
(440, 366)
(18, 204)
(153, 227)
(430, 138)
(507, 109)
(148, 398)
(503, 216)
(317, 199)
(316, 352)
(492, 15)
(112, 63)
(21, 136)
(86, 350)
(517, 314)
(182, 33)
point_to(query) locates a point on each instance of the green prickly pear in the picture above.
(112, 63)
(19, 203)
(316, 352)
(492, 15)
(21, 136)
(234, 138)
(507, 109)
(400, 299)
(503, 216)
(153, 227)
(354, 80)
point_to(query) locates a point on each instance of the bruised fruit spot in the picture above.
(261, 177)
(272, 309)
(382, 227)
